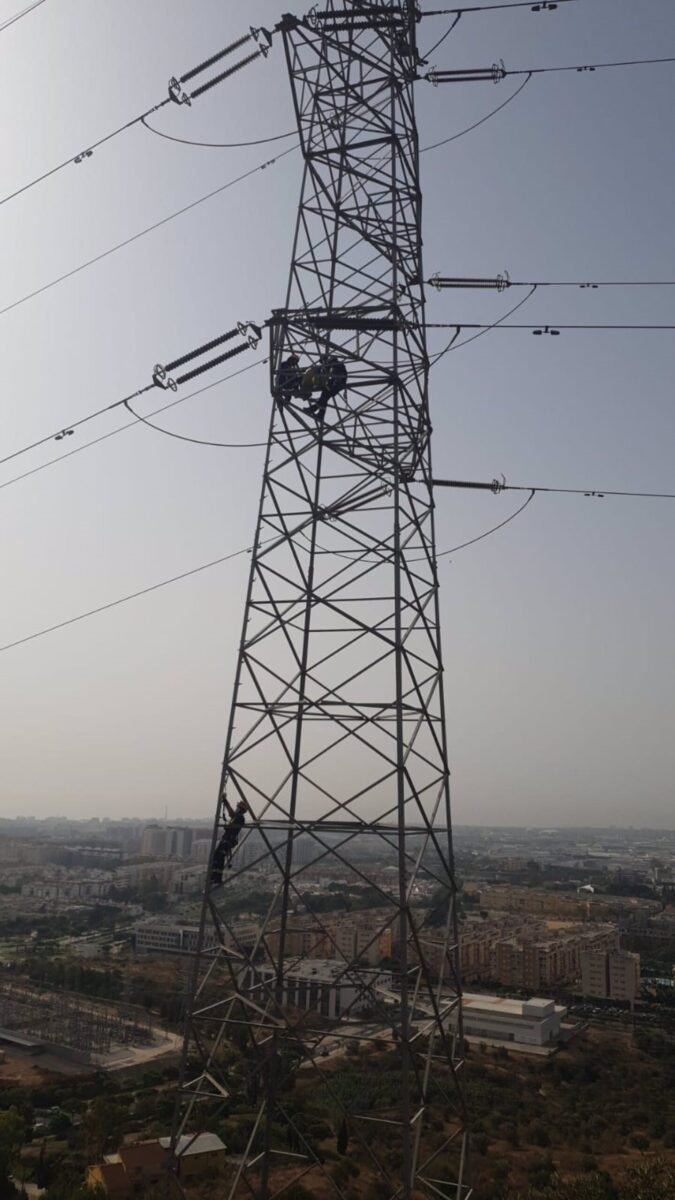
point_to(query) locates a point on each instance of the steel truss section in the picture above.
(336, 737)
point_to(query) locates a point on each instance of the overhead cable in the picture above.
(149, 229)
(182, 437)
(17, 16)
(430, 51)
(177, 95)
(501, 283)
(602, 66)
(218, 145)
(500, 485)
(31, 637)
(247, 331)
(554, 330)
(494, 486)
(470, 128)
(453, 344)
(154, 587)
(68, 430)
(542, 6)
(488, 532)
(52, 462)
(138, 419)
(83, 154)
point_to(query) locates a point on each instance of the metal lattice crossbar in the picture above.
(336, 740)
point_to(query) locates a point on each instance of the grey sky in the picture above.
(558, 631)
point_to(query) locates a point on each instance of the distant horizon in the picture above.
(198, 820)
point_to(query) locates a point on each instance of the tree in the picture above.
(41, 1173)
(102, 1126)
(12, 1138)
(342, 1140)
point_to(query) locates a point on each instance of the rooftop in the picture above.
(200, 1143)
(536, 1006)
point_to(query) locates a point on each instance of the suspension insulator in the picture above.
(500, 283)
(213, 362)
(225, 337)
(209, 62)
(225, 74)
(356, 323)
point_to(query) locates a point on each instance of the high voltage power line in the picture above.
(482, 120)
(149, 229)
(125, 401)
(494, 486)
(124, 599)
(160, 379)
(497, 71)
(501, 283)
(177, 95)
(52, 462)
(500, 485)
(17, 16)
(458, 13)
(553, 328)
(171, 137)
(542, 6)
(264, 40)
(246, 175)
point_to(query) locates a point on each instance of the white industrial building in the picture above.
(533, 1022)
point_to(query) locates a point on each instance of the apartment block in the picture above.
(610, 975)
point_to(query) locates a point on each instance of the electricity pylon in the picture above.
(336, 739)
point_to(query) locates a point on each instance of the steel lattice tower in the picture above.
(336, 736)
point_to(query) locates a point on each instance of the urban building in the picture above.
(565, 905)
(187, 881)
(166, 937)
(166, 841)
(160, 936)
(534, 1022)
(305, 850)
(610, 975)
(58, 884)
(523, 952)
(141, 1165)
(135, 875)
(330, 988)
(362, 937)
(201, 849)
(349, 937)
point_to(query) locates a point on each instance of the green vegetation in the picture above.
(650, 1180)
(12, 1137)
(57, 973)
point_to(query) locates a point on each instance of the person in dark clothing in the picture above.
(223, 852)
(288, 380)
(335, 381)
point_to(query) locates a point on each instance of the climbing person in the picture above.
(288, 381)
(223, 853)
(335, 381)
(312, 381)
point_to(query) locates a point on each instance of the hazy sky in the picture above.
(558, 631)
